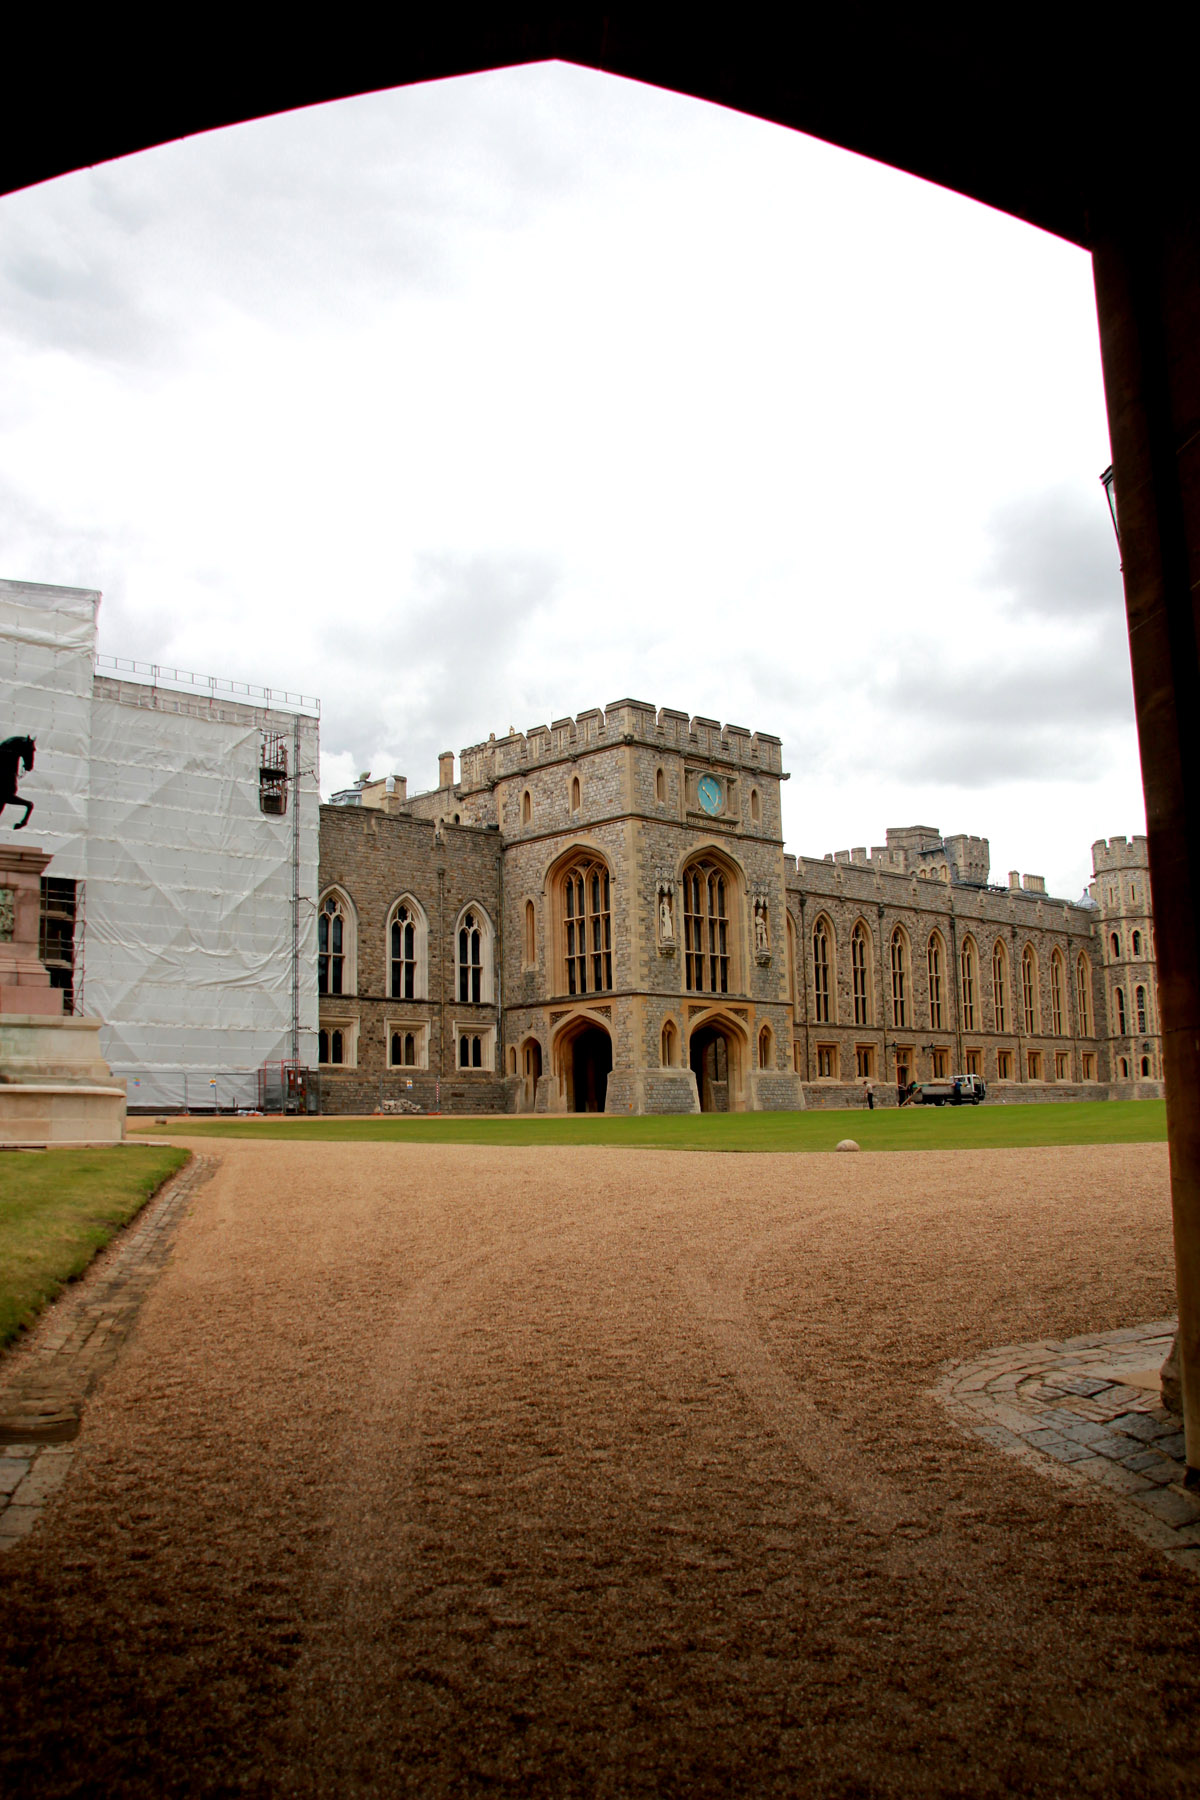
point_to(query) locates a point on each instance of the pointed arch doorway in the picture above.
(715, 1059)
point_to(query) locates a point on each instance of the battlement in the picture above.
(1120, 853)
(622, 721)
(921, 850)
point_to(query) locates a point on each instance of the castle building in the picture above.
(599, 915)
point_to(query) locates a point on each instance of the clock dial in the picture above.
(709, 790)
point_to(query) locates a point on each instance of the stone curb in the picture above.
(46, 1377)
(1089, 1409)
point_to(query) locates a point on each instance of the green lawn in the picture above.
(914, 1128)
(58, 1207)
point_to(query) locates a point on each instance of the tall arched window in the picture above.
(765, 1048)
(474, 955)
(660, 786)
(1140, 1003)
(336, 944)
(530, 935)
(1030, 998)
(1000, 984)
(822, 959)
(899, 979)
(1057, 984)
(791, 956)
(1083, 987)
(576, 793)
(860, 965)
(1116, 945)
(587, 926)
(968, 972)
(755, 806)
(526, 808)
(1120, 996)
(406, 951)
(670, 1045)
(706, 907)
(1137, 943)
(934, 956)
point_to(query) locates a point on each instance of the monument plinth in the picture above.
(55, 1086)
(24, 979)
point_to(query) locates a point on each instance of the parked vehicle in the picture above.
(959, 1090)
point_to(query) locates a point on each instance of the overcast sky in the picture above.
(479, 403)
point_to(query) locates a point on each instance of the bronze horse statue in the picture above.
(15, 750)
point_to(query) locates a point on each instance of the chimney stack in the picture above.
(446, 769)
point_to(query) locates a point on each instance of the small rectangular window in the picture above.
(864, 1060)
(941, 1059)
(1004, 1065)
(273, 774)
(1089, 1066)
(1034, 1064)
(1062, 1070)
(974, 1062)
(827, 1062)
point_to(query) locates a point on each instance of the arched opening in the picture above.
(587, 1064)
(670, 1045)
(715, 1059)
(531, 1071)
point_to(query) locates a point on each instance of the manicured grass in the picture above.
(58, 1208)
(913, 1128)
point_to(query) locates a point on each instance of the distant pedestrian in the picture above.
(870, 1098)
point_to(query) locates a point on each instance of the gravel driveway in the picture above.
(443, 1470)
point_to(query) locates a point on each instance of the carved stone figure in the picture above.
(760, 925)
(666, 920)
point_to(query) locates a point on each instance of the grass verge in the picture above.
(914, 1128)
(58, 1208)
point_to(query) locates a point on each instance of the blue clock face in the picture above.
(709, 790)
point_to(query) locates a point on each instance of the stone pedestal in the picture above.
(24, 979)
(55, 1086)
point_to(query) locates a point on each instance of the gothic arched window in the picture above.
(860, 951)
(1140, 1003)
(899, 979)
(406, 951)
(474, 955)
(822, 961)
(968, 970)
(336, 944)
(1083, 988)
(1030, 997)
(934, 958)
(1120, 997)
(587, 926)
(706, 897)
(1000, 984)
(1057, 984)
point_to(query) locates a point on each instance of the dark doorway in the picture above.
(532, 1071)
(709, 1058)
(591, 1060)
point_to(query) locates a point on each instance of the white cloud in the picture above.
(479, 403)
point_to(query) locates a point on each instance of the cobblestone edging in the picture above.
(1089, 1408)
(45, 1379)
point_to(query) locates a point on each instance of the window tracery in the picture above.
(587, 926)
(1030, 997)
(899, 979)
(968, 981)
(406, 951)
(934, 960)
(822, 961)
(336, 945)
(860, 971)
(706, 927)
(1000, 984)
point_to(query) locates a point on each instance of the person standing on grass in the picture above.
(870, 1098)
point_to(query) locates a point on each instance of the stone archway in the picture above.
(530, 1072)
(582, 1060)
(715, 1056)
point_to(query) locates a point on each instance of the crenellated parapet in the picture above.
(1120, 853)
(622, 721)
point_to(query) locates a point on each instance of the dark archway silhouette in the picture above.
(1052, 119)
(588, 1067)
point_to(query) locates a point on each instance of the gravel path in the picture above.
(450, 1471)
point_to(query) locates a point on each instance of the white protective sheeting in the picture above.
(150, 798)
(189, 955)
(47, 645)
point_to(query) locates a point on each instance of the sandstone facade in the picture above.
(599, 915)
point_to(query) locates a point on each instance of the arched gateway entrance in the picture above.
(714, 1055)
(584, 1058)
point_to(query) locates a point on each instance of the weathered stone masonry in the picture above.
(651, 949)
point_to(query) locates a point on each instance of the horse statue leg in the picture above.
(28, 805)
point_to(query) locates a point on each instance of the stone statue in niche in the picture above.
(760, 925)
(14, 751)
(666, 919)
